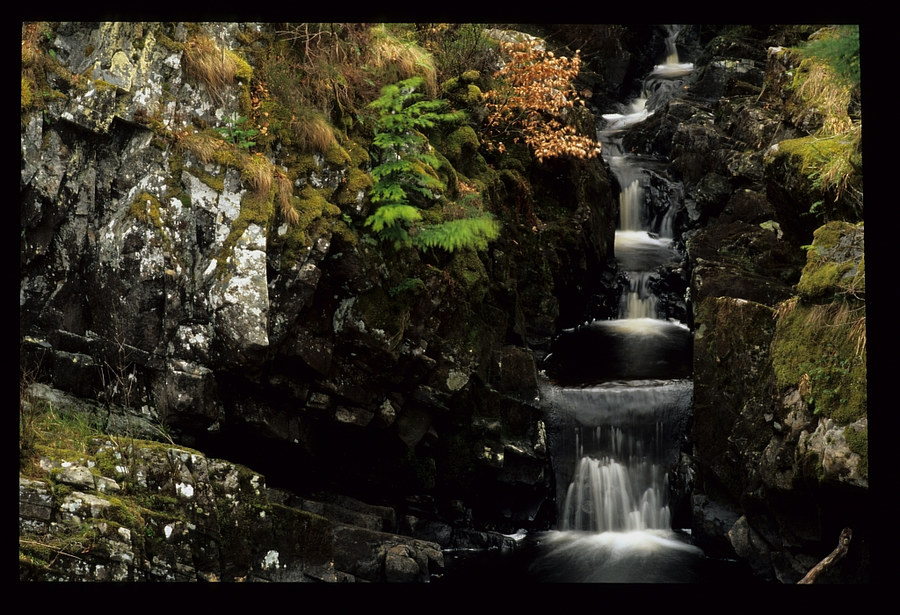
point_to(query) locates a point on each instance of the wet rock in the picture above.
(751, 547)
(518, 374)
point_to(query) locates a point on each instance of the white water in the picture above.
(602, 497)
(615, 509)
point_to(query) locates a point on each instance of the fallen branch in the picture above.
(834, 557)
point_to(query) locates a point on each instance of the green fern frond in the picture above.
(452, 235)
(388, 216)
(388, 193)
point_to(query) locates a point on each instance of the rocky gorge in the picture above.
(276, 396)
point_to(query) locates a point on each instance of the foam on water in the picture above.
(646, 556)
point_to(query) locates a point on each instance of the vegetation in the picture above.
(827, 81)
(839, 48)
(820, 338)
(73, 546)
(212, 66)
(533, 101)
(457, 48)
(820, 349)
(407, 174)
(43, 78)
(236, 135)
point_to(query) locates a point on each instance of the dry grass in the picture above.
(40, 67)
(258, 171)
(822, 90)
(204, 146)
(285, 189)
(785, 307)
(321, 66)
(838, 171)
(205, 62)
(321, 75)
(854, 318)
(401, 60)
(312, 132)
(841, 314)
(31, 51)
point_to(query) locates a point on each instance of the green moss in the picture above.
(27, 95)
(243, 70)
(359, 155)
(468, 269)
(460, 141)
(473, 94)
(318, 217)
(831, 268)
(817, 349)
(310, 204)
(108, 464)
(168, 43)
(337, 155)
(146, 209)
(256, 208)
(828, 166)
(819, 346)
(70, 539)
(820, 281)
(123, 511)
(357, 182)
(450, 85)
(412, 285)
(858, 442)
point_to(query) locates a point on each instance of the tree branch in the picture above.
(834, 557)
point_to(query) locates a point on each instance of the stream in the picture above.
(619, 399)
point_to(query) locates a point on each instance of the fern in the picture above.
(388, 193)
(473, 232)
(407, 168)
(387, 216)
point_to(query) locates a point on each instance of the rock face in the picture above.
(162, 290)
(191, 518)
(778, 477)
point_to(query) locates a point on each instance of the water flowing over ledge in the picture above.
(619, 396)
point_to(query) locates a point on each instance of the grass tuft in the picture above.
(205, 62)
(285, 196)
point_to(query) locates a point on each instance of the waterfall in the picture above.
(622, 395)
(602, 497)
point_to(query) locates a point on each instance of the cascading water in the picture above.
(619, 397)
(619, 419)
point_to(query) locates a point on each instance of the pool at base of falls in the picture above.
(637, 557)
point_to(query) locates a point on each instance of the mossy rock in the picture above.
(790, 164)
(803, 165)
(819, 349)
(858, 441)
(835, 264)
(469, 271)
(317, 218)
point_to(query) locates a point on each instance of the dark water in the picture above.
(628, 558)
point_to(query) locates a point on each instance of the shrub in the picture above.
(533, 101)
